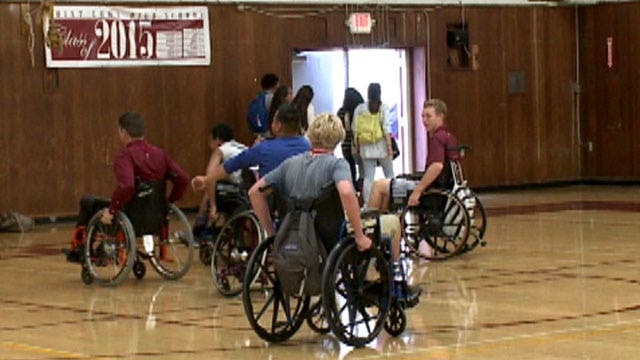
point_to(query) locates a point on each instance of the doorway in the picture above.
(330, 72)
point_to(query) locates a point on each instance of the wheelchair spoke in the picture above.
(274, 317)
(266, 305)
(365, 318)
(360, 269)
(342, 309)
(263, 269)
(341, 286)
(352, 318)
(286, 306)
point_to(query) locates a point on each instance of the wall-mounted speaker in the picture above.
(457, 36)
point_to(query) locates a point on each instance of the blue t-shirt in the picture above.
(268, 154)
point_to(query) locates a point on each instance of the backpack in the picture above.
(257, 115)
(367, 128)
(299, 254)
(15, 222)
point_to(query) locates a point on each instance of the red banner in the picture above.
(101, 36)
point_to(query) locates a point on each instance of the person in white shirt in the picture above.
(223, 147)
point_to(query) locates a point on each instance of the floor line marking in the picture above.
(531, 338)
(41, 350)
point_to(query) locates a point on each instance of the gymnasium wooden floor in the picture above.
(559, 279)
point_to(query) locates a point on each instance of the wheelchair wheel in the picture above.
(316, 319)
(479, 226)
(236, 205)
(172, 253)
(109, 250)
(233, 246)
(356, 299)
(273, 315)
(396, 321)
(477, 217)
(444, 225)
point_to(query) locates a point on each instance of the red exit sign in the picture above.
(360, 23)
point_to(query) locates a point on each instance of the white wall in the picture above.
(324, 71)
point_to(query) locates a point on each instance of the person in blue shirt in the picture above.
(267, 154)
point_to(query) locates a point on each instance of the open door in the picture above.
(329, 72)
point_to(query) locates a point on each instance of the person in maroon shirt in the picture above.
(137, 161)
(440, 143)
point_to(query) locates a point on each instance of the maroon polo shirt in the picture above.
(146, 162)
(442, 146)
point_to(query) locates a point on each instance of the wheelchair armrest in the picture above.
(227, 187)
(413, 176)
(369, 213)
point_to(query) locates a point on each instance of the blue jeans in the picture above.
(369, 173)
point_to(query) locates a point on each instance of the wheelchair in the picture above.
(450, 219)
(234, 244)
(359, 297)
(111, 252)
(237, 239)
(231, 200)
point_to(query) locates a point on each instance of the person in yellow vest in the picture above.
(372, 137)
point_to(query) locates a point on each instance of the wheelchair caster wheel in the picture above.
(206, 249)
(87, 279)
(316, 319)
(396, 320)
(139, 269)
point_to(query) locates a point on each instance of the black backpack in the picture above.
(298, 253)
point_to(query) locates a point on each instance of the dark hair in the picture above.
(279, 98)
(373, 95)
(132, 123)
(301, 101)
(269, 80)
(289, 116)
(352, 98)
(223, 132)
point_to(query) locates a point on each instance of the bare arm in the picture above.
(213, 175)
(432, 173)
(389, 147)
(261, 207)
(200, 182)
(351, 207)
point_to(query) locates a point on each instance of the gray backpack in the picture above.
(299, 254)
(15, 222)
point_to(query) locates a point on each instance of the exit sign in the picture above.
(360, 23)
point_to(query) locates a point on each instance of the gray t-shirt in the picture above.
(309, 177)
(306, 175)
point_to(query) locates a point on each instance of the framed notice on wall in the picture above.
(111, 36)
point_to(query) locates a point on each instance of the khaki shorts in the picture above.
(402, 188)
(390, 225)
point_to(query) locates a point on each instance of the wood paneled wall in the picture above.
(58, 134)
(519, 138)
(611, 94)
